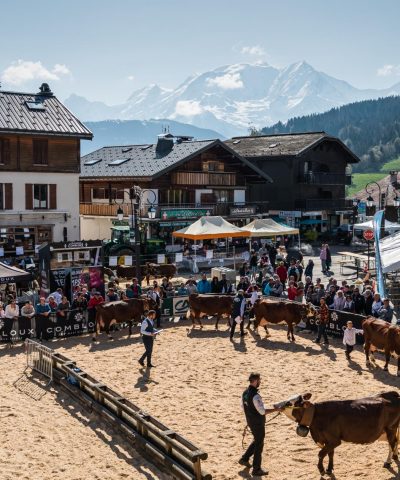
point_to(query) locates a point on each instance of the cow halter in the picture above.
(303, 426)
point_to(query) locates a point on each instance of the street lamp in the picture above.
(120, 214)
(370, 201)
(136, 198)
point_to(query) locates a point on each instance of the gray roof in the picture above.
(142, 161)
(50, 118)
(291, 144)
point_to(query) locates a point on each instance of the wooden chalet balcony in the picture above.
(225, 179)
(103, 209)
(325, 178)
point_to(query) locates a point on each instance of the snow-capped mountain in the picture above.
(232, 98)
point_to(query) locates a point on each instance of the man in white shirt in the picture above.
(11, 313)
(57, 295)
(255, 412)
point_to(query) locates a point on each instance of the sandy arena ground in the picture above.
(195, 390)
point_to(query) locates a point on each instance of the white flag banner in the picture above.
(113, 261)
(209, 254)
(160, 258)
(178, 257)
(128, 260)
(19, 250)
(1, 252)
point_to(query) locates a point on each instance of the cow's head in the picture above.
(295, 406)
(310, 310)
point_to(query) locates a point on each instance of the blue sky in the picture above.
(104, 49)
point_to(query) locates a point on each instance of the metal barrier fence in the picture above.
(39, 358)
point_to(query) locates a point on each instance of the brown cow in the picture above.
(200, 305)
(121, 311)
(130, 271)
(273, 311)
(358, 421)
(381, 335)
(167, 270)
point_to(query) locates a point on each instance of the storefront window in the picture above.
(26, 237)
(174, 197)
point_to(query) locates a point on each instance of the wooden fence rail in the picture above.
(167, 449)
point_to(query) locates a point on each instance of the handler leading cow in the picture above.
(129, 311)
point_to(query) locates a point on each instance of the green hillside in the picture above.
(370, 128)
(360, 180)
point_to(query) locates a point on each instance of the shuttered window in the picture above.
(8, 196)
(40, 197)
(4, 151)
(40, 151)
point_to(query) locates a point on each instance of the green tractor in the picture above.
(120, 245)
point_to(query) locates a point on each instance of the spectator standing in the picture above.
(299, 292)
(134, 290)
(349, 304)
(369, 300)
(291, 291)
(308, 272)
(323, 318)
(359, 302)
(339, 301)
(155, 294)
(62, 313)
(272, 253)
(281, 271)
(11, 313)
(42, 319)
(182, 290)
(253, 264)
(244, 270)
(376, 305)
(204, 286)
(328, 257)
(52, 304)
(215, 285)
(25, 321)
(299, 268)
(268, 287)
(224, 285)
(277, 288)
(191, 287)
(323, 255)
(243, 284)
(111, 296)
(386, 311)
(292, 271)
(57, 295)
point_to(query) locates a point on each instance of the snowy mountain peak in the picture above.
(230, 98)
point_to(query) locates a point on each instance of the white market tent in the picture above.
(266, 227)
(210, 227)
(389, 248)
(369, 225)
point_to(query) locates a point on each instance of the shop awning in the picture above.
(10, 274)
(369, 225)
(389, 248)
(266, 227)
(312, 221)
(210, 227)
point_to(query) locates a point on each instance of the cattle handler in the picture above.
(238, 308)
(255, 412)
(148, 333)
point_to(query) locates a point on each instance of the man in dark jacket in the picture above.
(255, 412)
(359, 302)
(238, 308)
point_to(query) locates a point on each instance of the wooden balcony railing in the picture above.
(103, 209)
(227, 179)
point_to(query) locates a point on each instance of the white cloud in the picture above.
(131, 77)
(188, 108)
(229, 81)
(23, 71)
(255, 50)
(388, 70)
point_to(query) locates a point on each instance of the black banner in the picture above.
(337, 323)
(75, 323)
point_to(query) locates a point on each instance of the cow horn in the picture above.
(307, 396)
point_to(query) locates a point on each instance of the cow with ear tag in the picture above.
(360, 421)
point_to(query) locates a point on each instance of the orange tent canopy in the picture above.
(210, 227)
